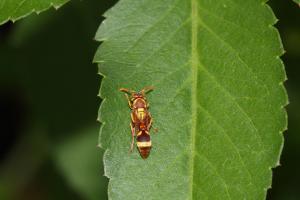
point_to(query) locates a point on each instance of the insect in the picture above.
(141, 119)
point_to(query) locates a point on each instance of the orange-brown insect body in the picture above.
(141, 120)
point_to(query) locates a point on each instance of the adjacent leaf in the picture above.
(16, 9)
(78, 159)
(297, 1)
(218, 102)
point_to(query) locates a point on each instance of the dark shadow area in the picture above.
(286, 179)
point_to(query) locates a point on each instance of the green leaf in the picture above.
(16, 9)
(218, 99)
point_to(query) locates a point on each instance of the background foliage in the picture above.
(48, 104)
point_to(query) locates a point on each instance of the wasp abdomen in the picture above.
(144, 143)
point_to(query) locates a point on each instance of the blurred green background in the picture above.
(49, 104)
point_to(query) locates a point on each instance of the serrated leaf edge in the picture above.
(51, 5)
(281, 85)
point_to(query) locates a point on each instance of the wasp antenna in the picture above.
(147, 89)
(126, 90)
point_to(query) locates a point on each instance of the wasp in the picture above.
(141, 120)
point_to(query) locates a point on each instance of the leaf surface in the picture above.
(16, 9)
(218, 99)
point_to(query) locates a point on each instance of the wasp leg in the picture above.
(150, 124)
(132, 118)
(132, 136)
(128, 100)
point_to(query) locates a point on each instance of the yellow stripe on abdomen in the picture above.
(144, 144)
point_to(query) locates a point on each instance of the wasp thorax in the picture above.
(139, 103)
(141, 113)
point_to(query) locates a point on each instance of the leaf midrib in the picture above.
(194, 74)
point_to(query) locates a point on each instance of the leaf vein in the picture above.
(157, 50)
(194, 75)
(230, 140)
(234, 101)
(216, 172)
(230, 47)
(164, 16)
(17, 8)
